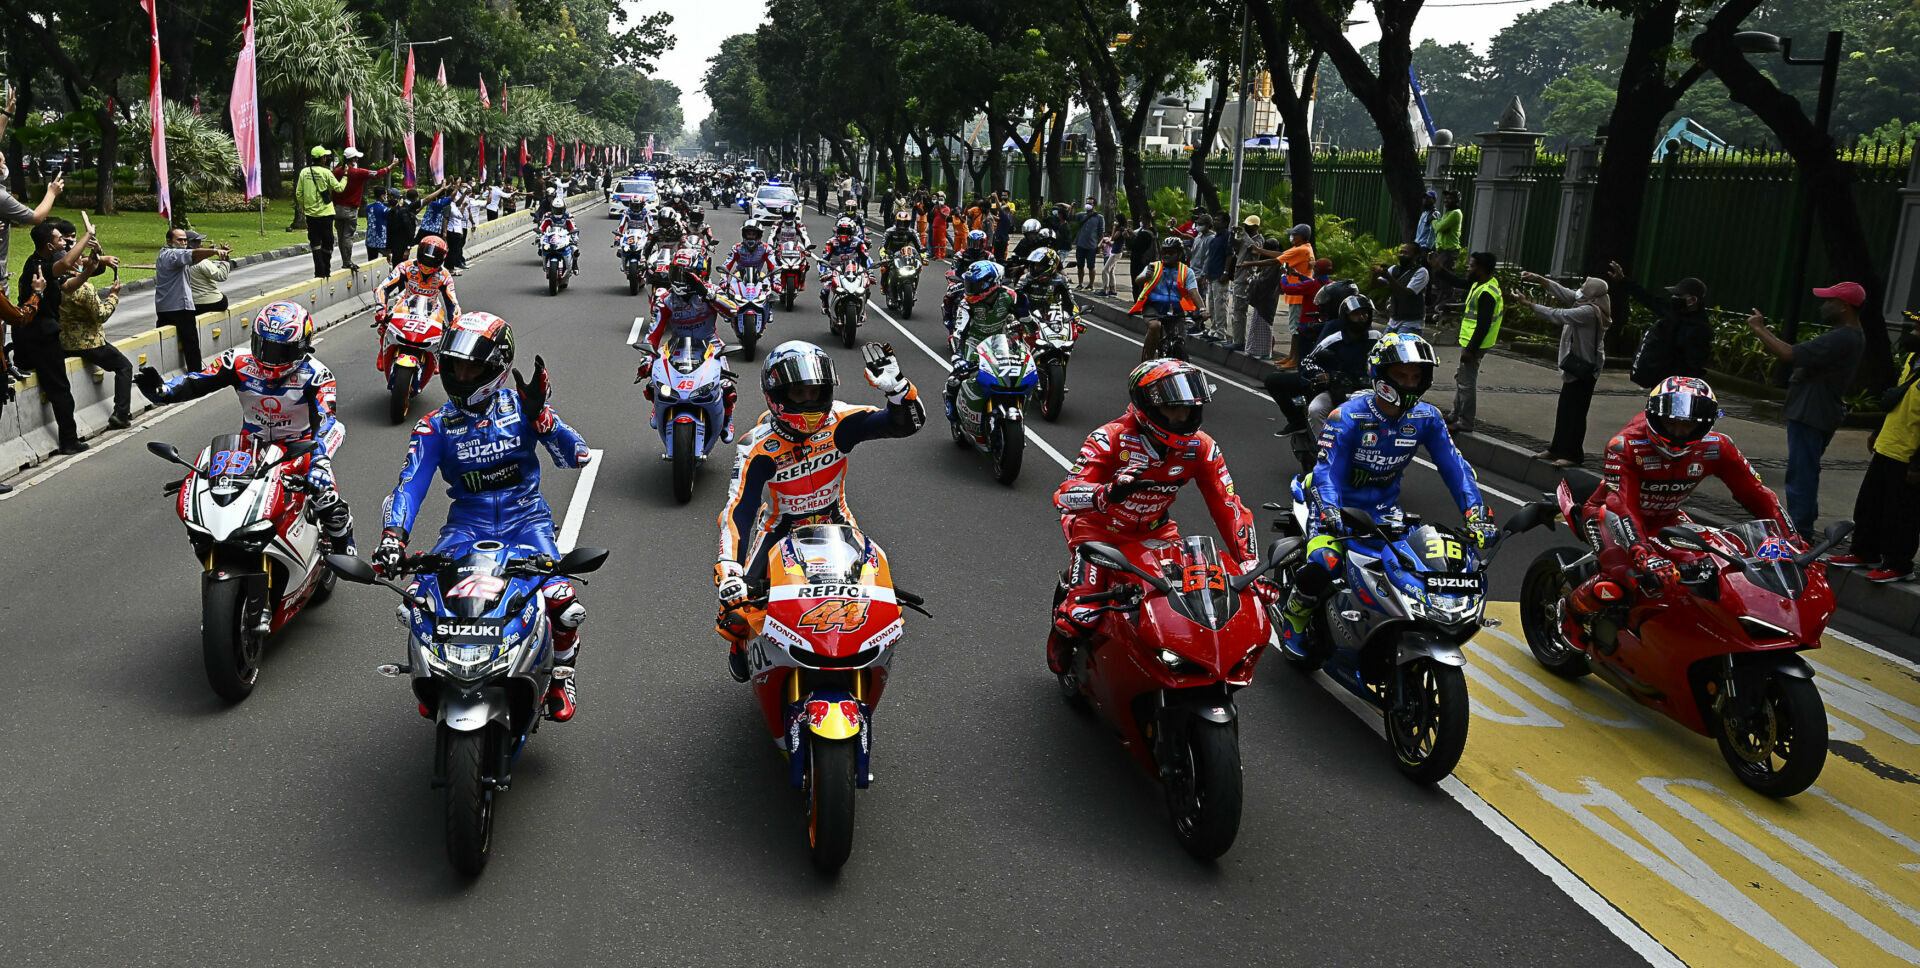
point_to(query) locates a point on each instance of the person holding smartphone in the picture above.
(83, 316)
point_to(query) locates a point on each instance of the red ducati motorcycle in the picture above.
(1178, 633)
(1715, 651)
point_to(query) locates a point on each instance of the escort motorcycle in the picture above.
(748, 286)
(480, 659)
(1390, 632)
(1052, 340)
(791, 277)
(259, 546)
(903, 280)
(822, 636)
(409, 345)
(556, 252)
(1718, 651)
(985, 411)
(1179, 632)
(689, 406)
(848, 308)
(633, 261)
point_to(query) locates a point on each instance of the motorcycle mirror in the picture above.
(1684, 539)
(1105, 556)
(298, 449)
(352, 569)
(579, 561)
(1359, 522)
(164, 451)
(1838, 530)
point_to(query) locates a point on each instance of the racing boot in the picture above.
(336, 522)
(730, 396)
(563, 696)
(1293, 620)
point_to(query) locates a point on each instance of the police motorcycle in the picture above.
(985, 412)
(1391, 630)
(479, 657)
(632, 248)
(556, 251)
(685, 385)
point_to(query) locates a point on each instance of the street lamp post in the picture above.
(1760, 42)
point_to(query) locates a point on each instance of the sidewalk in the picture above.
(1518, 394)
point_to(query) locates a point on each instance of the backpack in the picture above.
(1653, 361)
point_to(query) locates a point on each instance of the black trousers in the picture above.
(1886, 515)
(109, 358)
(49, 362)
(1570, 420)
(186, 329)
(456, 250)
(320, 240)
(1291, 391)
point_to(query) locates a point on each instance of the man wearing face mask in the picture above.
(1680, 342)
(1823, 368)
(1406, 282)
(1093, 227)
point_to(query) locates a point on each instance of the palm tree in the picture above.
(308, 49)
(200, 155)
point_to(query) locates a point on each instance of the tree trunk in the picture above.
(1132, 125)
(1275, 34)
(103, 203)
(17, 172)
(1384, 95)
(947, 170)
(1209, 130)
(926, 160)
(1103, 144)
(996, 159)
(1030, 159)
(1056, 134)
(300, 161)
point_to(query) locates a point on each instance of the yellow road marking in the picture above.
(1648, 814)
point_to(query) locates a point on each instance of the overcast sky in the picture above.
(701, 29)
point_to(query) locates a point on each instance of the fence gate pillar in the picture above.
(1903, 277)
(1499, 219)
(1576, 200)
(1439, 156)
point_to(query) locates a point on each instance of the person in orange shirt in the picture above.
(1298, 260)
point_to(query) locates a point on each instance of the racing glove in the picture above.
(1480, 525)
(1330, 522)
(1127, 482)
(393, 546)
(1266, 589)
(534, 393)
(152, 385)
(731, 583)
(1652, 563)
(883, 370)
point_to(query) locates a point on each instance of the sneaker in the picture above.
(6, 488)
(1846, 561)
(562, 699)
(737, 664)
(1887, 576)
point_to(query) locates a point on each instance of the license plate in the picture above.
(1455, 584)
(470, 631)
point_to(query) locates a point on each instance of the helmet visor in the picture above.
(467, 344)
(1680, 405)
(275, 352)
(1179, 390)
(794, 372)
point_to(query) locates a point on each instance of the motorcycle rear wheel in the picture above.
(683, 462)
(1429, 730)
(1544, 585)
(1007, 446)
(831, 782)
(1204, 789)
(1792, 730)
(229, 645)
(469, 806)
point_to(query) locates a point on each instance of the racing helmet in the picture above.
(688, 264)
(476, 355)
(432, 253)
(1156, 384)
(282, 336)
(696, 218)
(902, 220)
(976, 239)
(559, 203)
(798, 380)
(1355, 303)
(1680, 411)
(1395, 348)
(1043, 263)
(1030, 226)
(843, 229)
(980, 279)
(750, 231)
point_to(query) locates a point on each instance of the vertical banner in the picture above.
(649, 154)
(349, 120)
(406, 94)
(156, 110)
(1418, 117)
(437, 157)
(549, 161)
(485, 105)
(243, 107)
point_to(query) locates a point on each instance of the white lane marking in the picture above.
(577, 505)
(1262, 394)
(639, 328)
(937, 358)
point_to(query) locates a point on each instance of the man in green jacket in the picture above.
(313, 192)
(1448, 227)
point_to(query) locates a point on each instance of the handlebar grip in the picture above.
(1115, 594)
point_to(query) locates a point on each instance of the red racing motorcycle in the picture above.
(409, 340)
(1179, 633)
(1716, 651)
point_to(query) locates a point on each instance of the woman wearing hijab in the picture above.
(1583, 326)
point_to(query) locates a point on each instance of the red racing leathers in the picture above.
(1641, 491)
(1090, 512)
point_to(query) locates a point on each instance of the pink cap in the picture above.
(1851, 293)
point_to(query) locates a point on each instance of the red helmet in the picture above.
(433, 252)
(1156, 384)
(1680, 411)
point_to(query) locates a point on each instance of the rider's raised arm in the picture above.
(219, 375)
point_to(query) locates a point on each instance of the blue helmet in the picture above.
(981, 277)
(1400, 348)
(977, 238)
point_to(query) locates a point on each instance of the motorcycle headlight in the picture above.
(1178, 664)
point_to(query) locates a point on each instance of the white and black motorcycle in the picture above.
(557, 253)
(1053, 337)
(848, 307)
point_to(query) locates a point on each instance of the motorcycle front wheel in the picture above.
(749, 336)
(831, 782)
(850, 324)
(683, 462)
(1204, 789)
(1007, 446)
(469, 805)
(1545, 587)
(1428, 727)
(1053, 390)
(553, 282)
(228, 643)
(1779, 749)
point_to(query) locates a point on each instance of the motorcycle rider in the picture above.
(285, 395)
(1653, 464)
(792, 466)
(975, 251)
(899, 236)
(790, 229)
(1172, 289)
(1045, 286)
(992, 310)
(1333, 370)
(1124, 482)
(668, 233)
(557, 215)
(843, 246)
(482, 443)
(1367, 443)
(688, 307)
(749, 252)
(697, 228)
(423, 275)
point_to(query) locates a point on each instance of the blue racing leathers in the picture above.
(1362, 455)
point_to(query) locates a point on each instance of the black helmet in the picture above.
(697, 217)
(476, 338)
(1355, 304)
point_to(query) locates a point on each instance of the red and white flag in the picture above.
(156, 110)
(349, 120)
(483, 157)
(406, 94)
(243, 107)
(484, 102)
(549, 161)
(437, 156)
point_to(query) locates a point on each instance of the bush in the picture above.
(131, 201)
(1169, 203)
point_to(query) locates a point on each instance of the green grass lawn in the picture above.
(136, 236)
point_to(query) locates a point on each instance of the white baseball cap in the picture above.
(352, 153)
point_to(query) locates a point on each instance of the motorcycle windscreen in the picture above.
(685, 353)
(1767, 558)
(1199, 591)
(233, 461)
(828, 554)
(473, 586)
(1449, 565)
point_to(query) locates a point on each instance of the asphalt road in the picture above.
(143, 821)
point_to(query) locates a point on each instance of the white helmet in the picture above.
(559, 202)
(1030, 225)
